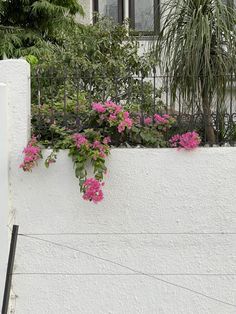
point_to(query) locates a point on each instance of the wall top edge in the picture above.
(172, 150)
(22, 61)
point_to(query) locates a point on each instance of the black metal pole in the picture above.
(10, 266)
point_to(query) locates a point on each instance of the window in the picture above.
(145, 16)
(231, 3)
(109, 8)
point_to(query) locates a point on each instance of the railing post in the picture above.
(11, 259)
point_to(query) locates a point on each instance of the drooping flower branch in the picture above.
(92, 190)
(32, 154)
(93, 148)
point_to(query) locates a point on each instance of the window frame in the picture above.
(120, 10)
(156, 20)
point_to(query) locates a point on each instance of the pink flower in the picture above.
(110, 104)
(96, 144)
(28, 159)
(118, 109)
(188, 141)
(121, 127)
(166, 116)
(159, 119)
(80, 140)
(30, 149)
(98, 107)
(112, 117)
(106, 140)
(148, 121)
(126, 115)
(102, 154)
(129, 123)
(32, 154)
(114, 114)
(93, 190)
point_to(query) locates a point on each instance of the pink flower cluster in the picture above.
(92, 147)
(189, 140)
(93, 190)
(114, 114)
(32, 154)
(98, 107)
(165, 119)
(100, 147)
(80, 140)
(126, 123)
(148, 121)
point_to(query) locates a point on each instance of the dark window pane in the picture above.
(109, 8)
(144, 15)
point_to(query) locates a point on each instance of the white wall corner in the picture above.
(4, 195)
(16, 74)
(15, 117)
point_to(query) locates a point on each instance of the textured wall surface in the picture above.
(147, 191)
(163, 240)
(3, 186)
(14, 130)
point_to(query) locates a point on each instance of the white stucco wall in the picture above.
(147, 191)
(14, 131)
(182, 202)
(3, 185)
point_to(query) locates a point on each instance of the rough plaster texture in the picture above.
(14, 131)
(159, 190)
(147, 191)
(16, 74)
(3, 185)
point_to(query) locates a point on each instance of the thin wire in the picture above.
(133, 270)
(127, 233)
(118, 274)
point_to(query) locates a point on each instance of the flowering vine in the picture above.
(32, 154)
(90, 147)
(111, 124)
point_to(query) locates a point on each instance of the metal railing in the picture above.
(63, 97)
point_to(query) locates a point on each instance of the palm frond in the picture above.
(197, 43)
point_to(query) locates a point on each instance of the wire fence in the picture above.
(63, 97)
(130, 271)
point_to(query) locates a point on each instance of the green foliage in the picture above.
(34, 27)
(197, 46)
(147, 137)
(105, 43)
(105, 57)
(198, 41)
(94, 63)
(32, 60)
